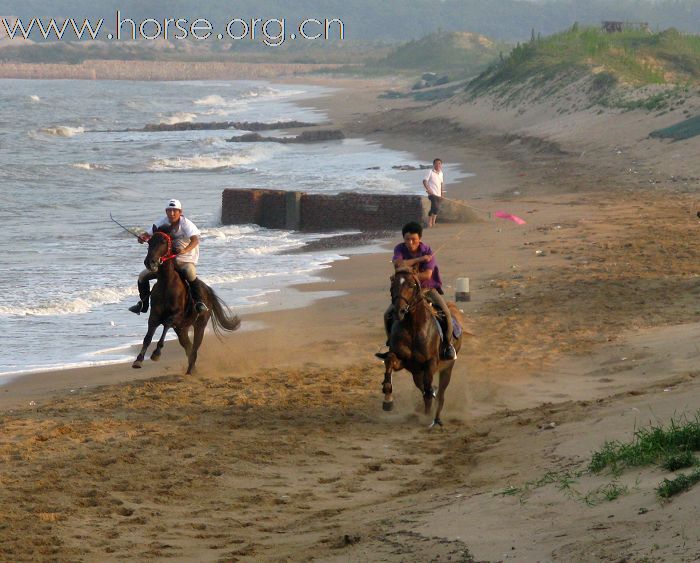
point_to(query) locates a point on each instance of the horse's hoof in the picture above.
(436, 422)
(136, 364)
(382, 355)
(155, 357)
(388, 406)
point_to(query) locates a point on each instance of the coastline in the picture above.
(154, 70)
(37, 385)
(280, 437)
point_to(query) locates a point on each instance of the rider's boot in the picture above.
(449, 352)
(388, 323)
(197, 289)
(144, 294)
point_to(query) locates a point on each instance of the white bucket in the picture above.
(462, 290)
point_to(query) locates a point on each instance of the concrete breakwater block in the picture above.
(284, 209)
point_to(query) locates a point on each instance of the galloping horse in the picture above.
(172, 306)
(415, 342)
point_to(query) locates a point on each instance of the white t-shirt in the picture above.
(434, 180)
(181, 238)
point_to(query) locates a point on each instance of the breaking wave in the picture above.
(90, 166)
(70, 306)
(213, 162)
(63, 131)
(179, 117)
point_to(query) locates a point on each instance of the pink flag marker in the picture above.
(510, 217)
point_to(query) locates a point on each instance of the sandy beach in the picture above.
(584, 320)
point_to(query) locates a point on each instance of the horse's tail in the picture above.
(222, 317)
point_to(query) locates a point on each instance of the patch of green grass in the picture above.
(509, 491)
(608, 492)
(681, 460)
(682, 483)
(633, 57)
(657, 102)
(671, 446)
(649, 446)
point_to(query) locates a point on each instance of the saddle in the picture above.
(441, 323)
(188, 287)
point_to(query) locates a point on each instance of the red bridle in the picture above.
(169, 252)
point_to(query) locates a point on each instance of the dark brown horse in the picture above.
(172, 306)
(414, 343)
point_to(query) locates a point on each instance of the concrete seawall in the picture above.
(300, 211)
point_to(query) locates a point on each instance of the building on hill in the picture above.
(618, 27)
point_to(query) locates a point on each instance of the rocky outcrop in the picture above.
(217, 125)
(305, 137)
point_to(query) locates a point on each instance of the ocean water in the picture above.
(69, 273)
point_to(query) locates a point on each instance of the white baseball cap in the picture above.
(174, 204)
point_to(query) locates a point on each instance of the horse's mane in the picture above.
(456, 312)
(163, 229)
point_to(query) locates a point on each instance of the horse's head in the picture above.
(405, 291)
(160, 248)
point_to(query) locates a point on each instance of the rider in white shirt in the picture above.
(185, 237)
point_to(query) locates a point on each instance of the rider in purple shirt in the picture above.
(413, 252)
(403, 253)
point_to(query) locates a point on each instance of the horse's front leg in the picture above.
(444, 381)
(152, 326)
(428, 391)
(159, 347)
(391, 364)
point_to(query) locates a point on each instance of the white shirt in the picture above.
(434, 180)
(186, 229)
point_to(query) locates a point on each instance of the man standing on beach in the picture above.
(434, 184)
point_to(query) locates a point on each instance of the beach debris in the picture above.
(351, 539)
(32, 403)
(547, 426)
(510, 217)
(539, 252)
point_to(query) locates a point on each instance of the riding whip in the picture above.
(123, 227)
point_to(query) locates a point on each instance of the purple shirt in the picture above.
(401, 252)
